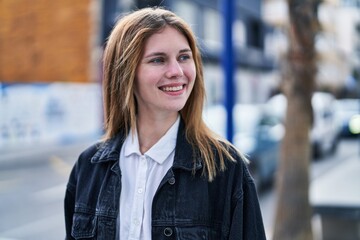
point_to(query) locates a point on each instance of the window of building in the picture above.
(239, 34)
(351, 3)
(189, 12)
(255, 36)
(212, 27)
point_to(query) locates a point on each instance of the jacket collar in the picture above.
(185, 155)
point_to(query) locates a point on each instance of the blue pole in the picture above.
(228, 65)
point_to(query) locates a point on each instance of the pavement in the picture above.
(335, 197)
(345, 179)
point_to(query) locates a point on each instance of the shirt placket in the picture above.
(139, 198)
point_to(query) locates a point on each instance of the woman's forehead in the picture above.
(167, 38)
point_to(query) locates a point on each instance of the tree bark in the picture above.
(293, 214)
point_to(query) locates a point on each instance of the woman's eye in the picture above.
(157, 60)
(184, 57)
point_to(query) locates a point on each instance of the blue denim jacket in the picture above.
(185, 206)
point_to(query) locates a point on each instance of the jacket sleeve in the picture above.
(247, 221)
(69, 203)
(69, 211)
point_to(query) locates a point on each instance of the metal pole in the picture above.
(228, 65)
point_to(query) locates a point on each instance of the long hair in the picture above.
(121, 57)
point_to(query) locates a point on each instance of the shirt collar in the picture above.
(131, 144)
(161, 150)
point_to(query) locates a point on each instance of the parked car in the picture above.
(324, 134)
(348, 114)
(257, 134)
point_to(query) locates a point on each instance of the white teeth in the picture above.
(172, 89)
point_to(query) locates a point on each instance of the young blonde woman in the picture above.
(159, 173)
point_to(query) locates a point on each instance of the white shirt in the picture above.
(140, 178)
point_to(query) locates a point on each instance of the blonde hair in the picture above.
(123, 52)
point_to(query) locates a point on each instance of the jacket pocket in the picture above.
(199, 233)
(84, 226)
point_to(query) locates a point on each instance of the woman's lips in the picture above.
(172, 88)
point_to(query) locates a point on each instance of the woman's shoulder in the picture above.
(235, 155)
(88, 153)
(235, 160)
(103, 149)
(92, 148)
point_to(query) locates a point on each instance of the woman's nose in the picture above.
(174, 70)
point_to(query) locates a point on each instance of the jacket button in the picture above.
(171, 181)
(168, 232)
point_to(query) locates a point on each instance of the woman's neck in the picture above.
(150, 130)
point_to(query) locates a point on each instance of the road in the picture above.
(347, 149)
(32, 189)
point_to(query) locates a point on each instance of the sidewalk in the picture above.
(335, 196)
(340, 186)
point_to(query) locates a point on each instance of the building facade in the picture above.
(51, 55)
(48, 41)
(337, 43)
(49, 72)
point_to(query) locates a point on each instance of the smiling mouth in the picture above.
(172, 89)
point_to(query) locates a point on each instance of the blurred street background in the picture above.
(32, 187)
(51, 106)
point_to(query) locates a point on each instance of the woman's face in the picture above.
(166, 73)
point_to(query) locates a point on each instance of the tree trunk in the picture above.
(293, 214)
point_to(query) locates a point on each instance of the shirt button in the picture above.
(171, 181)
(140, 190)
(136, 222)
(168, 232)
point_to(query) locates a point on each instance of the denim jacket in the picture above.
(186, 205)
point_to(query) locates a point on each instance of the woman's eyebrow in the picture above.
(156, 54)
(185, 50)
